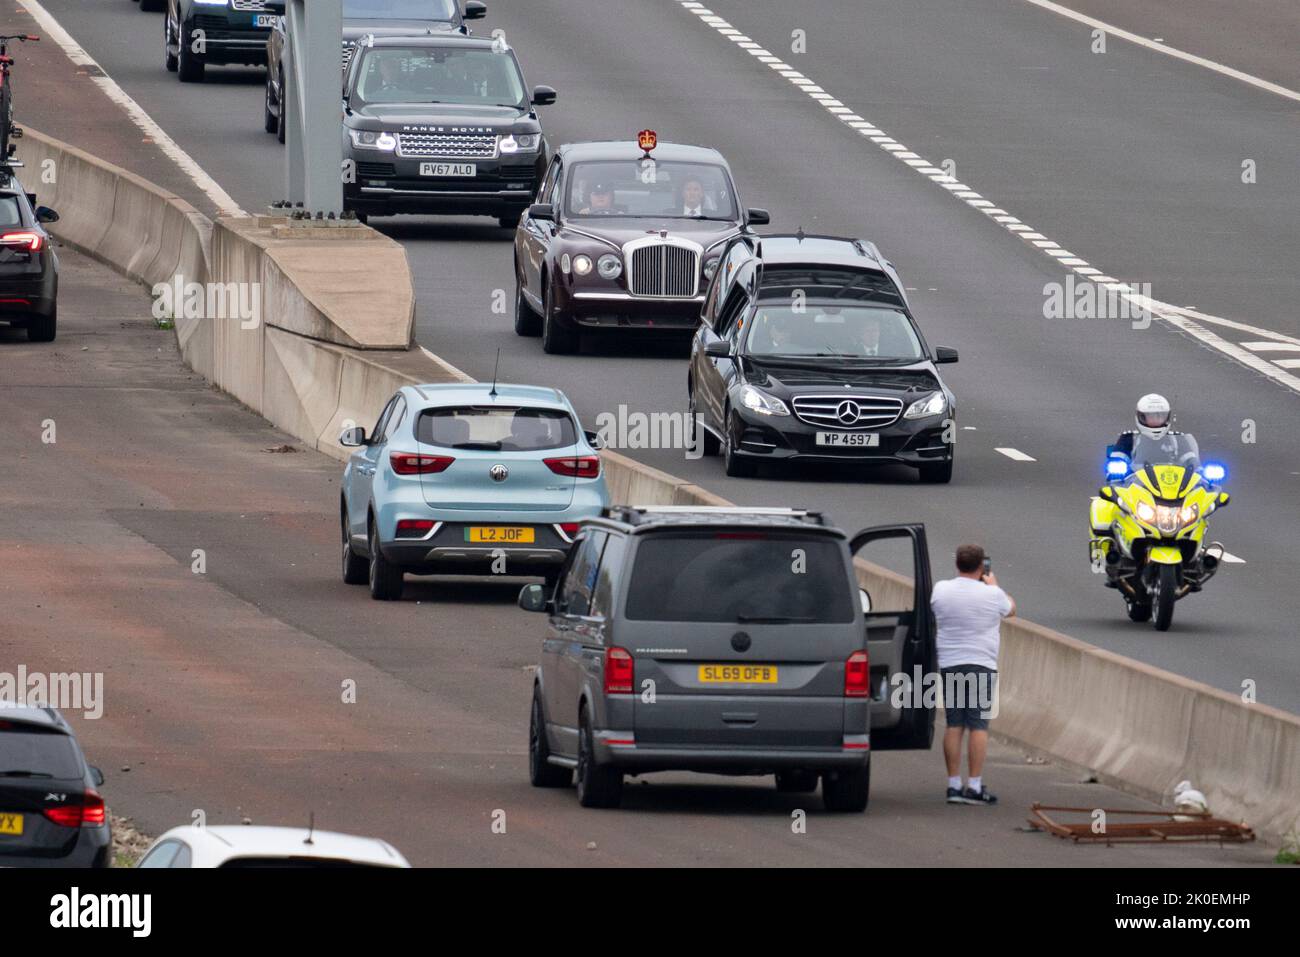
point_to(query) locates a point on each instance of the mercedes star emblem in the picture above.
(848, 412)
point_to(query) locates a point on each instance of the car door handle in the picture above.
(740, 717)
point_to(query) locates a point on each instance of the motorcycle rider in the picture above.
(1153, 440)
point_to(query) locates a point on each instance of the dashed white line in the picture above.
(209, 186)
(1016, 455)
(1271, 346)
(1176, 316)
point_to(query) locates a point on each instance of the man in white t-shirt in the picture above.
(968, 613)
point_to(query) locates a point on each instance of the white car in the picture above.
(248, 846)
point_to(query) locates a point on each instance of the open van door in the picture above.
(900, 640)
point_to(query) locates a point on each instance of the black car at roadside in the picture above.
(379, 18)
(50, 813)
(623, 239)
(197, 33)
(29, 268)
(808, 351)
(441, 125)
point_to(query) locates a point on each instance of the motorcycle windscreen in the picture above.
(505, 458)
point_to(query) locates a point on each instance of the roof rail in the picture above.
(641, 514)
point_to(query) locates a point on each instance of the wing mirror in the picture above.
(543, 212)
(718, 349)
(543, 95)
(594, 440)
(97, 776)
(474, 10)
(944, 354)
(757, 217)
(533, 598)
(865, 597)
(352, 438)
(46, 215)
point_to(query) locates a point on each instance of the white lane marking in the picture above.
(1177, 316)
(1287, 363)
(1016, 455)
(1167, 50)
(209, 186)
(1270, 346)
(1232, 559)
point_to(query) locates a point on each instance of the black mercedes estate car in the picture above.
(808, 350)
(441, 125)
(29, 268)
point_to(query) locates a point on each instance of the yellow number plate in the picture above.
(738, 674)
(500, 535)
(11, 824)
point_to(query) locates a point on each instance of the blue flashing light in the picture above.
(1116, 468)
(1214, 472)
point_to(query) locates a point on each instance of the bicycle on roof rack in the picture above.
(7, 128)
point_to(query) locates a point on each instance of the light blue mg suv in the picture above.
(466, 479)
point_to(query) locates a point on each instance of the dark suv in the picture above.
(201, 32)
(441, 125)
(50, 813)
(732, 641)
(29, 269)
(379, 18)
(808, 351)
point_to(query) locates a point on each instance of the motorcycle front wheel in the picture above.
(1166, 591)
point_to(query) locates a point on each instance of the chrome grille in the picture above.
(471, 145)
(249, 6)
(348, 50)
(663, 269)
(832, 411)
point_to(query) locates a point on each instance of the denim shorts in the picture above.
(974, 686)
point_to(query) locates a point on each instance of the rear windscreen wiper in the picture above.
(24, 774)
(770, 620)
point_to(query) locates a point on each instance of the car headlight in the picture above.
(519, 142)
(930, 405)
(1146, 512)
(761, 402)
(373, 140)
(710, 268)
(609, 266)
(581, 265)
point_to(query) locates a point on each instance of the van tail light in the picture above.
(413, 463)
(23, 239)
(90, 813)
(857, 676)
(618, 671)
(575, 466)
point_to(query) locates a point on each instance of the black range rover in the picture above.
(807, 350)
(441, 125)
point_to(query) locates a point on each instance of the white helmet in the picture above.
(1153, 416)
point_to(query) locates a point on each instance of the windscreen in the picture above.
(832, 329)
(496, 429)
(662, 189)
(740, 577)
(466, 77)
(1173, 449)
(399, 9)
(28, 753)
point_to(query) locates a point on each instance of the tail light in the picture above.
(618, 671)
(576, 466)
(414, 527)
(23, 239)
(857, 676)
(413, 463)
(569, 528)
(90, 813)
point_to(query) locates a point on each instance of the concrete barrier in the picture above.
(334, 345)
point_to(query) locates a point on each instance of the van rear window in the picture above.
(740, 576)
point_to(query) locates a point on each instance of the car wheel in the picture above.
(556, 339)
(796, 782)
(279, 120)
(938, 474)
(733, 464)
(188, 65)
(43, 328)
(169, 59)
(698, 432)
(509, 220)
(385, 578)
(541, 773)
(527, 321)
(356, 570)
(597, 786)
(270, 122)
(847, 791)
(1138, 611)
(1165, 596)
